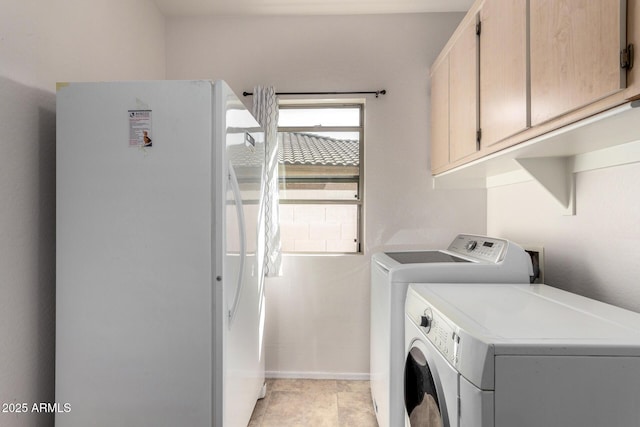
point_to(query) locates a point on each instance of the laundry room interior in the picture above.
(318, 310)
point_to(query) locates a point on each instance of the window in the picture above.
(321, 180)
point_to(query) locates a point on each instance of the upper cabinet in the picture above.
(517, 69)
(504, 106)
(463, 92)
(575, 54)
(454, 99)
(440, 114)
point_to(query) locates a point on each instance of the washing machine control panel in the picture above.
(479, 247)
(436, 328)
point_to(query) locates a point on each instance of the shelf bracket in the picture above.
(554, 174)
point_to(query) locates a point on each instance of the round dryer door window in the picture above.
(420, 396)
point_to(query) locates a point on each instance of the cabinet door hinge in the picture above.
(478, 28)
(626, 57)
(478, 138)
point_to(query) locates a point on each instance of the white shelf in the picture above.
(607, 139)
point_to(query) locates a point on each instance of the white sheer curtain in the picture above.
(265, 109)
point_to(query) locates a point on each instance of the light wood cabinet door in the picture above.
(463, 94)
(440, 114)
(575, 54)
(504, 103)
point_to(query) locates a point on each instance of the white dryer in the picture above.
(518, 355)
(468, 259)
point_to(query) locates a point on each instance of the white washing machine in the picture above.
(468, 258)
(518, 355)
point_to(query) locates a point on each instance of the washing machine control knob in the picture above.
(425, 322)
(471, 245)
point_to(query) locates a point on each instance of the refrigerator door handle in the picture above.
(235, 188)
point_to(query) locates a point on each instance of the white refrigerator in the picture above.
(160, 247)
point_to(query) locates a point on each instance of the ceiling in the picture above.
(307, 7)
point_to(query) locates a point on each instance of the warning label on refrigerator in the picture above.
(140, 128)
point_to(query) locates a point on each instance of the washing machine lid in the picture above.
(469, 258)
(424, 257)
(463, 248)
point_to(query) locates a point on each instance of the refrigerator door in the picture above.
(243, 283)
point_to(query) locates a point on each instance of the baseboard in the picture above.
(318, 375)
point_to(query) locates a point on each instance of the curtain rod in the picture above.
(377, 93)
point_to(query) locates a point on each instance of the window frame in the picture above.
(359, 201)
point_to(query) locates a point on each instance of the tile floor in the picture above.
(315, 403)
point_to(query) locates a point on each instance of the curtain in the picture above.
(265, 109)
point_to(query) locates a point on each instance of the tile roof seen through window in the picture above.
(308, 149)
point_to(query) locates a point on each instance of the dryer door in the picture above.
(430, 388)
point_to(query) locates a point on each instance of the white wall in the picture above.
(318, 312)
(595, 253)
(42, 42)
